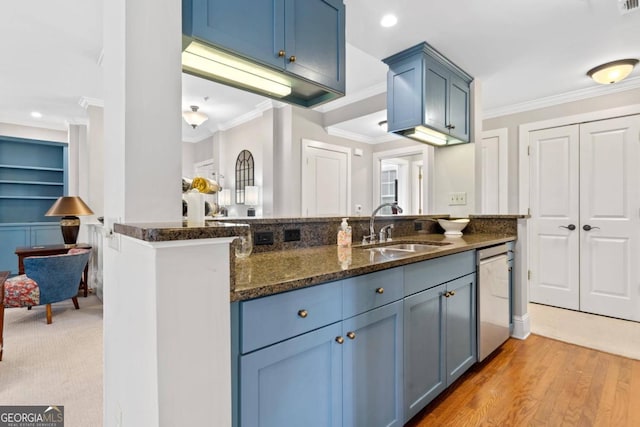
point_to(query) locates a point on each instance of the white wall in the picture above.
(454, 172)
(31, 132)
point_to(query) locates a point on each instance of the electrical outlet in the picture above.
(457, 198)
(417, 226)
(292, 235)
(263, 237)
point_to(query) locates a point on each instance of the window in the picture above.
(244, 174)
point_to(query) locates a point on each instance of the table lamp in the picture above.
(251, 198)
(69, 207)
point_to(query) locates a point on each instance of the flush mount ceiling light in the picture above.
(36, 114)
(388, 20)
(194, 117)
(612, 72)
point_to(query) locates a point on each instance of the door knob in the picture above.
(351, 335)
(339, 340)
(570, 227)
(303, 313)
(380, 291)
(587, 227)
(292, 58)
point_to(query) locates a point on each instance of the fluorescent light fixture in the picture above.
(389, 20)
(612, 72)
(200, 59)
(36, 114)
(427, 135)
(194, 117)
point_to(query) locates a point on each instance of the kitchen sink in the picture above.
(400, 250)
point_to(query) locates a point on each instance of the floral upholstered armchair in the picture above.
(47, 279)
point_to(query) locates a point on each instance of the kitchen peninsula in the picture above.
(276, 268)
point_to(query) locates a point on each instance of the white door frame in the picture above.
(503, 169)
(427, 172)
(309, 143)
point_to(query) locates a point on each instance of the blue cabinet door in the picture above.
(461, 333)
(404, 94)
(246, 27)
(297, 382)
(11, 238)
(424, 349)
(436, 95)
(314, 41)
(372, 366)
(459, 109)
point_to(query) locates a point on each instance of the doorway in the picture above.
(585, 217)
(400, 175)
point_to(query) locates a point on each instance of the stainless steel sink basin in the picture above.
(401, 250)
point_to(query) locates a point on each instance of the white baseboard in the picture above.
(521, 327)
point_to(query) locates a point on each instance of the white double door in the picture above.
(585, 217)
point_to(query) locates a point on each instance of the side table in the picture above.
(25, 252)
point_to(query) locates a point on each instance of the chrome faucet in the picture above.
(372, 230)
(385, 233)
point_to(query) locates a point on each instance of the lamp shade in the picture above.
(69, 206)
(194, 117)
(612, 72)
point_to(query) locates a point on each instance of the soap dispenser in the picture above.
(344, 234)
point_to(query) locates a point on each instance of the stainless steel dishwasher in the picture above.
(493, 299)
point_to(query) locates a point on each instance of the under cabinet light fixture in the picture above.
(194, 117)
(200, 59)
(427, 135)
(612, 72)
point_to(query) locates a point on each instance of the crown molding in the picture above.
(86, 101)
(550, 101)
(35, 123)
(353, 97)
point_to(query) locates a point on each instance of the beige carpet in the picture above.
(57, 364)
(588, 330)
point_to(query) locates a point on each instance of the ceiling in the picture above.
(521, 53)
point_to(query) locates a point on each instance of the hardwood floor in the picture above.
(541, 382)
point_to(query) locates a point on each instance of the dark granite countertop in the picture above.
(268, 273)
(179, 230)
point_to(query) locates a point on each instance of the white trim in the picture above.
(353, 97)
(247, 117)
(427, 171)
(86, 101)
(526, 128)
(503, 167)
(309, 143)
(576, 95)
(334, 131)
(521, 327)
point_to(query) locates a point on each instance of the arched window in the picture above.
(244, 174)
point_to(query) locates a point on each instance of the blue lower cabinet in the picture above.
(297, 382)
(439, 340)
(424, 350)
(11, 238)
(372, 368)
(461, 348)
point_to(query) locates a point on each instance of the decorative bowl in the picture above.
(453, 227)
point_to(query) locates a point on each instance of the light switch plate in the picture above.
(457, 198)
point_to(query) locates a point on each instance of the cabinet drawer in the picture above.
(275, 318)
(363, 293)
(430, 273)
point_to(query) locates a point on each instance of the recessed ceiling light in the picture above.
(389, 20)
(36, 114)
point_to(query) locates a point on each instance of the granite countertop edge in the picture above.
(278, 284)
(168, 231)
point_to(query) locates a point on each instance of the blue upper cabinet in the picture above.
(428, 97)
(289, 50)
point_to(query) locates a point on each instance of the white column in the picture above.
(142, 171)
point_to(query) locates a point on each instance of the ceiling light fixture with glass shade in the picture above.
(194, 117)
(612, 72)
